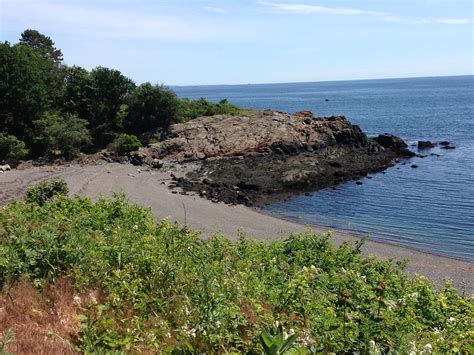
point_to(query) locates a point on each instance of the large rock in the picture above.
(258, 132)
(394, 143)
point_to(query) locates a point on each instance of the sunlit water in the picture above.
(430, 208)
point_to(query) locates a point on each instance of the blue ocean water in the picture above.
(430, 208)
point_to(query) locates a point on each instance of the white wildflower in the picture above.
(427, 349)
(451, 320)
(414, 295)
(135, 227)
(412, 348)
(372, 347)
(77, 301)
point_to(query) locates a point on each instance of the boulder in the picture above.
(426, 145)
(5, 167)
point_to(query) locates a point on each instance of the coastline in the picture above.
(376, 238)
(150, 189)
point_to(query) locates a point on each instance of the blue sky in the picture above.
(254, 41)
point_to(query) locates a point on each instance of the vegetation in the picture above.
(38, 92)
(160, 288)
(125, 143)
(12, 150)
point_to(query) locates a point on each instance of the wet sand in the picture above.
(149, 189)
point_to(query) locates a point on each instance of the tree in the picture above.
(77, 92)
(27, 88)
(108, 92)
(65, 134)
(150, 107)
(43, 44)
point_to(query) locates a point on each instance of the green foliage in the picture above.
(12, 150)
(202, 107)
(66, 134)
(151, 106)
(277, 343)
(125, 143)
(42, 44)
(46, 191)
(164, 289)
(7, 338)
(109, 91)
(28, 87)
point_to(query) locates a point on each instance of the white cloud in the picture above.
(101, 21)
(455, 21)
(316, 9)
(216, 10)
(306, 9)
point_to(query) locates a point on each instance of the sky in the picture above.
(201, 42)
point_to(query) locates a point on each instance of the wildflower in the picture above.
(372, 347)
(77, 301)
(451, 320)
(412, 348)
(427, 349)
(135, 227)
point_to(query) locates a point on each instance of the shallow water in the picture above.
(431, 207)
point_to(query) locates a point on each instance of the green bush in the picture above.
(12, 150)
(201, 107)
(64, 134)
(46, 191)
(150, 107)
(125, 143)
(164, 289)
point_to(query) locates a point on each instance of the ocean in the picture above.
(430, 208)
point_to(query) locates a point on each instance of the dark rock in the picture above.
(426, 145)
(448, 147)
(156, 164)
(358, 182)
(444, 143)
(414, 166)
(389, 141)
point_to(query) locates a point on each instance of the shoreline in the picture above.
(150, 189)
(375, 238)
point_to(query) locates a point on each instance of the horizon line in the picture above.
(321, 81)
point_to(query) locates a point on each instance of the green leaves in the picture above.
(277, 343)
(160, 288)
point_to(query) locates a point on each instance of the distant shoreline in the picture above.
(321, 81)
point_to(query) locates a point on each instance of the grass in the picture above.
(104, 276)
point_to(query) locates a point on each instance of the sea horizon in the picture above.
(322, 81)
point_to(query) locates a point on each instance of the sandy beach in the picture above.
(149, 189)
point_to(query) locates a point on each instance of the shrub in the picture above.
(164, 289)
(125, 143)
(46, 191)
(65, 134)
(150, 107)
(12, 150)
(201, 107)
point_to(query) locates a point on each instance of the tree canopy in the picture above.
(47, 106)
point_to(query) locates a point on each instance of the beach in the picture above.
(149, 188)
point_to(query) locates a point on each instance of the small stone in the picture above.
(414, 166)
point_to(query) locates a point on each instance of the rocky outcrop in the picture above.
(260, 132)
(267, 154)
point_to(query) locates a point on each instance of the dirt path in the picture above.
(149, 189)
